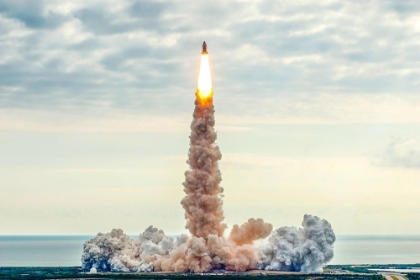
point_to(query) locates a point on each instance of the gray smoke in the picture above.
(305, 249)
(116, 251)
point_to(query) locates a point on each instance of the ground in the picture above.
(335, 272)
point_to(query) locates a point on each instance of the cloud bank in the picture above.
(131, 55)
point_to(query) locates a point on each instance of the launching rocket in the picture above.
(204, 86)
(204, 48)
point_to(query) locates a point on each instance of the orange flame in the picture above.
(204, 87)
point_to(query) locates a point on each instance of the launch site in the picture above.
(284, 146)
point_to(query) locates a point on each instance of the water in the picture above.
(398, 270)
(67, 250)
(377, 250)
(41, 250)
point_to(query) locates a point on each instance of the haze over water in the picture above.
(66, 250)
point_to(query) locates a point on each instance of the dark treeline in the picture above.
(37, 273)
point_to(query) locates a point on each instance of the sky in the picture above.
(317, 112)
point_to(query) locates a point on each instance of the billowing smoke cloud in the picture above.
(116, 251)
(154, 251)
(207, 248)
(304, 249)
(252, 230)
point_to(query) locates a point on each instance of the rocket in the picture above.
(204, 87)
(204, 48)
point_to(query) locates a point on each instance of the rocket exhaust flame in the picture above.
(289, 248)
(204, 87)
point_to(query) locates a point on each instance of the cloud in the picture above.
(100, 22)
(129, 16)
(148, 9)
(406, 7)
(32, 14)
(143, 55)
(401, 152)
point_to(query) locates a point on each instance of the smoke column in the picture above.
(207, 248)
(202, 203)
(304, 249)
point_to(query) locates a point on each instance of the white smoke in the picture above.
(304, 249)
(116, 251)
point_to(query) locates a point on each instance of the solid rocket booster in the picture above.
(204, 48)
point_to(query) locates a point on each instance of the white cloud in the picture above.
(401, 152)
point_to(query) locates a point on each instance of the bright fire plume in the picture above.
(204, 86)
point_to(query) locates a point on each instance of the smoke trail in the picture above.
(304, 249)
(202, 203)
(289, 248)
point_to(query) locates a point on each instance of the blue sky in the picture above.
(317, 111)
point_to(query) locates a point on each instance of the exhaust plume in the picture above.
(289, 248)
(304, 249)
(203, 203)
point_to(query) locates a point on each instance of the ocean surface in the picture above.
(67, 250)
